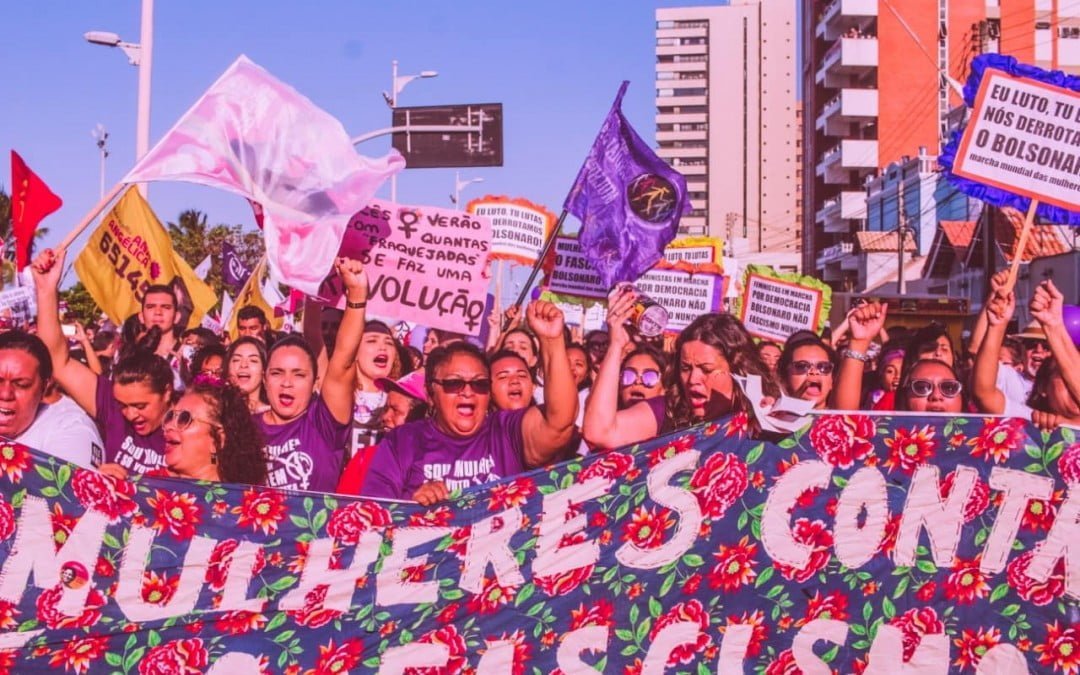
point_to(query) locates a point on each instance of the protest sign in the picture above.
(424, 264)
(1024, 136)
(694, 254)
(685, 296)
(934, 544)
(775, 305)
(519, 228)
(18, 306)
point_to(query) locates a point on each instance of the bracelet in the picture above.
(852, 354)
(355, 305)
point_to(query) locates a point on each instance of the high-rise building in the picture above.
(873, 93)
(727, 119)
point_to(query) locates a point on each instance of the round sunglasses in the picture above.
(184, 419)
(923, 388)
(804, 367)
(649, 377)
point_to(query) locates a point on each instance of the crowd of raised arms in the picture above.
(346, 408)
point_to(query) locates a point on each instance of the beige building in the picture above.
(727, 118)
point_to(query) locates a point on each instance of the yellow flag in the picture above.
(251, 294)
(131, 251)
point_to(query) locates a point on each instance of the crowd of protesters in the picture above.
(346, 407)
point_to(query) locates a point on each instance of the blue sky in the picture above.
(554, 65)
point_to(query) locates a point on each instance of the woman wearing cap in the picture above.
(406, 402)
(463, 443)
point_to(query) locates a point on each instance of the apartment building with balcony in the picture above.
(873, 96)
(728, 119)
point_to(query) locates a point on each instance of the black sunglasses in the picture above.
(923, 388)
(648, 377)
(457, 385)
(804, 367)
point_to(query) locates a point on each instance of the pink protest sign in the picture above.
(425, 265)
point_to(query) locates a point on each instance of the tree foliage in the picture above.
(194, 239)
(80, 304)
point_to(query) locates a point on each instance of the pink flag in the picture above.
(258, 137)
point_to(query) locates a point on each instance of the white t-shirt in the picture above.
(64, 431)
(1014, 385)
(1015, 408)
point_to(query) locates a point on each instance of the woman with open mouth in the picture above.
(463, 443)
(375, 361)
(806, 366)
(210, 435)
(130, 407)
(511, 381)
(245, 366)
(641, 377)
(698, 387)
(306, 431)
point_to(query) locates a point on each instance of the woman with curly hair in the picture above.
(699, 384)
(210, 435)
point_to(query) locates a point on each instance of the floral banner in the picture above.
(860, 545)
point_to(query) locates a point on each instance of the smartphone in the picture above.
(68, 330)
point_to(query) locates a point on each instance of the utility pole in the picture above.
(901, 231)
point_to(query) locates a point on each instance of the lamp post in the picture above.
(398, 83)
(141, 56)
(101, 136)
(460, 185)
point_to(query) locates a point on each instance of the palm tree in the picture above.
(7, 240)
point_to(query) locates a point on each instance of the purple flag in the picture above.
(233, 272)
(629, 201)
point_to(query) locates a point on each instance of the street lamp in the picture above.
(141, 56)
(397, 83)
(101, 136)
(460, 185)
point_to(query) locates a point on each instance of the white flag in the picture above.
(203, 269)
(256, 136)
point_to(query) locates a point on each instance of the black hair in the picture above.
(145, 367)
(299, 342)
(240, 455)
(201, 356)
(902, 395)
(802, 339)
(645, 350)
(1016, 347)
(505, 354)
(925, 340)
(161, 289)
(587, 382)
(444, 353)
(31, 344)
(726, 334)
(252, 312)
(532, 339)
(205, 335)
(260, 349)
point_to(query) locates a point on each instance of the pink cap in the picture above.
(412, 385)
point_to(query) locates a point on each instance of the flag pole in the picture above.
(536, 267)
(1021, 245)
(89, 217)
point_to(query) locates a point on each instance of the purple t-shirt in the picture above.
(417, 452)
(137, 454)
(306, 453)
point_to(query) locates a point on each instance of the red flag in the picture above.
(31, 200)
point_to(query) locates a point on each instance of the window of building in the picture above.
(690, 58)
(666, 75)
(693, 41)
(665, 24)
(666, 42)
